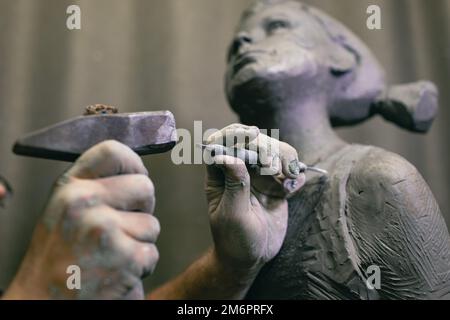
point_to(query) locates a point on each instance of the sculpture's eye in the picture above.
(276, 25)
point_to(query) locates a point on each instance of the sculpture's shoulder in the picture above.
(380, 179)
(373, 178)
(385, 184)
(395, 223)
(385, 169)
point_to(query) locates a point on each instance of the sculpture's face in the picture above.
(279, 44)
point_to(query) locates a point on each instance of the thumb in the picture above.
(230, 174)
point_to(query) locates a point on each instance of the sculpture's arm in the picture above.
(397, 225)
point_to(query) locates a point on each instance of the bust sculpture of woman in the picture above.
(294, 68)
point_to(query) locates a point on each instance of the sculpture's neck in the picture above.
(306, 127)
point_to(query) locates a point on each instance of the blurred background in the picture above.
(170, 54)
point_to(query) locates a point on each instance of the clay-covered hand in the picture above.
(248, 204)
(99, 219)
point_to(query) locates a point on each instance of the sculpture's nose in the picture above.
(241, 39)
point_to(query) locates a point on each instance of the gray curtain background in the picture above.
(170, 54)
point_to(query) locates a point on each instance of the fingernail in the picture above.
(294, 167)
(290, 185)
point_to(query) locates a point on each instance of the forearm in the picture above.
(17, 291)
(208, 278)
(28, 283)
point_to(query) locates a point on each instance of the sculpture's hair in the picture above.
(363, 92)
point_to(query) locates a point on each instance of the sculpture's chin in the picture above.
(253, 86)
(245, 75)
(267, 75)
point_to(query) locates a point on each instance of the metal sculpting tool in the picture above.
(248, 156)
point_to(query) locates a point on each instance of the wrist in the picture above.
(19, 291)
(27, 284)
(236, 271)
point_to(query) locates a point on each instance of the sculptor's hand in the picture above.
(98, 218)
(248, 214)
(249, 211)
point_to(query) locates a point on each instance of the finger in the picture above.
(136, 293)
(291, 186)
(124, 253)
(139, 258)
(214, 182)
(107, 159)
(214, 175)
(268, 188)
(233, 134)
(291, 166)
(236, 181)
(147, 258)
(122, 285)
(268, 153)
(141, 227)
(234, 170)
(132, 192)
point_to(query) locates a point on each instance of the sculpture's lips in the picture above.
(245, 58)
